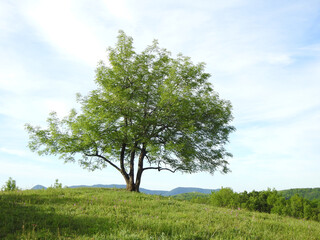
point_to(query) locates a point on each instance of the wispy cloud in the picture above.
(61, 24)
(16, 152)
(119, 9)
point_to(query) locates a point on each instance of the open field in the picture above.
(95, 213)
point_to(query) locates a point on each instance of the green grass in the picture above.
(93, 213)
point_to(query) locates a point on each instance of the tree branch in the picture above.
(161, 169)
(105, 159)
(156, 132)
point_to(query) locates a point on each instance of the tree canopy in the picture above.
(149, 111)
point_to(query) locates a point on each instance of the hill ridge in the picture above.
(175, 191)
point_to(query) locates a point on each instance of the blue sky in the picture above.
(264, 56)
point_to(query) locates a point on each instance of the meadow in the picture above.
(99, 213)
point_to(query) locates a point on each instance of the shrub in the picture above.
(296, 204)
(225, 197)
(10, 185)
(56, 185)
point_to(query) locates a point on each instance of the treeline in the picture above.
(307, 193)
(270, 201)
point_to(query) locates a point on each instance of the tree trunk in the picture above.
(140, 167)
(132, 187)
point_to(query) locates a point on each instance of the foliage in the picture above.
(57, 185)
(268, 202)
(205, 199)
(225, 197)
(88, 213)
(307, 193)
(149, 108)
(10, 185)
(190, 196)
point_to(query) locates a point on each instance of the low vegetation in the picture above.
(191, 196)
(263, 201)
(96, 213)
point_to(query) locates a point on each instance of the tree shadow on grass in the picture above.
(19, 216)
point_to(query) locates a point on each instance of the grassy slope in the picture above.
(117, 214)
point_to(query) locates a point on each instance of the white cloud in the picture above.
(58, 106)
(61, 24)
(313, 49)
(289, 139)
(14, 77)
(16, 152)
(279, 59)
(119, 9)
(7, 18)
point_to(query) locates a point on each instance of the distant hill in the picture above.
(37, 187)
(179, 190)
(307, 193)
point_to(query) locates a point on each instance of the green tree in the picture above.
(10, 185)
(296, 206)
(264, 205)
(225, 197)
(148, 108)
(57, 185)
(243, 199)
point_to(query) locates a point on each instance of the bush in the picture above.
(10, 185)
(296, 204)
(225, 197)
(56, 185)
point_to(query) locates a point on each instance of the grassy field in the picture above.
(93, 213)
